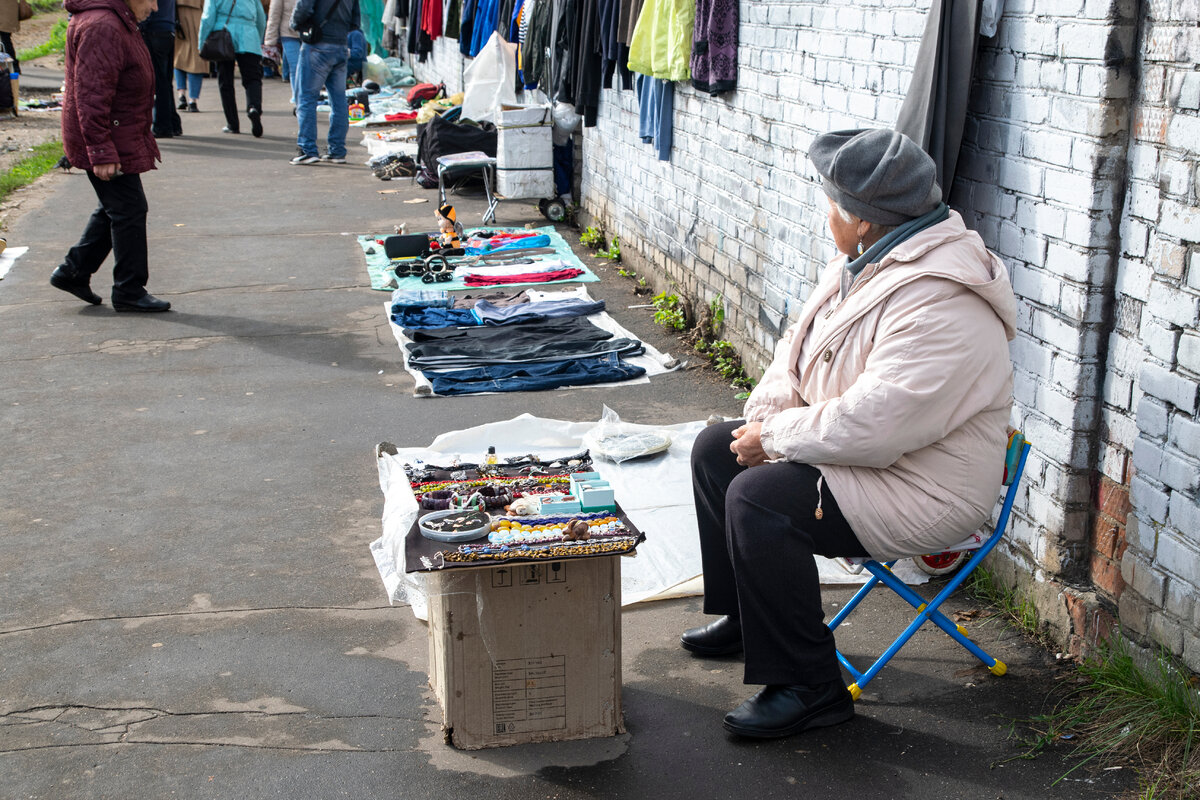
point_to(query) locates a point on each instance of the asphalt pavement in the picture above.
(190, 608)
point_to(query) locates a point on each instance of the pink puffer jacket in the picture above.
(109, 98)
(903, 397)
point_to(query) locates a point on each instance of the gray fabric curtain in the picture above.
(935, 108)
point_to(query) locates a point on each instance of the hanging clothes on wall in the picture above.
(714, 46)
(487, 14)
(586, 66)
(662, 40)
(614, 59)
(431, 20)
(467, 26)
(934, 111)
(453, 19)
(536, 48)
(419, 42)
(627, 20)
(656, 111)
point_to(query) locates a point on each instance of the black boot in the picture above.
(778, 711)
(720, 638)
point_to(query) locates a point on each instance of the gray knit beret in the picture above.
(877, 175)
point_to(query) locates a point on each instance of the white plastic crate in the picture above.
(524, 152)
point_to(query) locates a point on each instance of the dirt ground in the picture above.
(31, 127)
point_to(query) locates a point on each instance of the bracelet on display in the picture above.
(484, 497)
(491, 552)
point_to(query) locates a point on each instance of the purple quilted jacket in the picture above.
(109, 98)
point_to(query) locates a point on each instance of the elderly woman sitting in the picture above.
(878, 428)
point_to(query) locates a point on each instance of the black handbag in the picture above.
(218, 45)
(313, 32)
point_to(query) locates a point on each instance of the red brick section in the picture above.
(1108, 537)
(1091, 622)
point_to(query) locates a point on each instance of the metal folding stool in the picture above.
(1014, 466)
(462, 163)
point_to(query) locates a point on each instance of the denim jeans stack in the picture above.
(517, 347)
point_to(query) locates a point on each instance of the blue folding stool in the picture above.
(1014, 466)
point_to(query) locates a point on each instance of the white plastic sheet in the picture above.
(655, 493)
(490, 80)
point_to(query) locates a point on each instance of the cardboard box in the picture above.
(528, 652)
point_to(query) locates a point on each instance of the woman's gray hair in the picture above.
(843, 213)
(847, 217)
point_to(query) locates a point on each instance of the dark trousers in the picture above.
(118, 225)
(758, 535)
(250, 65)
(161, 45)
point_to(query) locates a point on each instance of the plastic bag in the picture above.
(375, 70)
(490, 80)
(623, 441)
(566, 122)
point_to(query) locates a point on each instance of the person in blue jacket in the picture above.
(247, 24)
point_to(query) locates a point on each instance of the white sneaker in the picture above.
(334, 159)
(304, 158)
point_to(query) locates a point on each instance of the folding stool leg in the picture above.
(489, 216)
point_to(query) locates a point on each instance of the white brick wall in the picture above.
(1083, 183)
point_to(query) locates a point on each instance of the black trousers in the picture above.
(161, 45)
(758, 535)
(250, 65)
(118, 225)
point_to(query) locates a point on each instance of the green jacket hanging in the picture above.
(662, 40)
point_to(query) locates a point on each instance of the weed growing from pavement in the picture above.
(1122, 710)
(28, 169)
(592, 237)
(1016, 607)
(1129, 711)
(668, 313)
(613, 253)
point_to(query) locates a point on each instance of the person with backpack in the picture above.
(247, 24)
(324, 26)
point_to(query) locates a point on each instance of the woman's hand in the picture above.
(747, 445)
(106, 172)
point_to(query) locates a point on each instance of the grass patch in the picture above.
(1016, 607)
(1141, 715)
(29, 169)
(44, 6)
(55, 44)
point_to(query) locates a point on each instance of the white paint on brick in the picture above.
(1178, 556)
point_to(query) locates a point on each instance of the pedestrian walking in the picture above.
(281, 34)
(247, 23)
(190, 68)
(107, 108)
(323, 64)
(159, 32)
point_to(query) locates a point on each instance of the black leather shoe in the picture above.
(146, 302)
(255, 122)
(720, 638)
(70, 282)
(778, 711)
